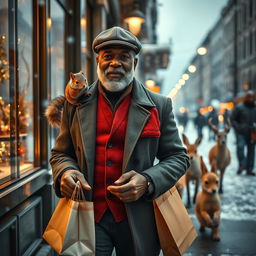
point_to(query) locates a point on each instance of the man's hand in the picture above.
(68, 182)
(129, 187)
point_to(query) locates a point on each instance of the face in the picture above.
(115, 68)
(210, 183)
(250, 97)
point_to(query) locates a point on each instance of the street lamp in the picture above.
(182, 82)
(192, 68)
(202, 50)
(134, 19)
(185, 76)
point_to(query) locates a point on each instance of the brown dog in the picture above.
(208, 204)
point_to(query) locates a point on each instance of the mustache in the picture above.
(119, 72)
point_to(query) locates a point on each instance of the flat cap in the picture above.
(116, 36)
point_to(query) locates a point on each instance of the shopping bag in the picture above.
(71, 230)
(175, 229)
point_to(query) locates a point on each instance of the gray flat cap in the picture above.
(116, 36)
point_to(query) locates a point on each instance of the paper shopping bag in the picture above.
(175, 229)
(70, 230)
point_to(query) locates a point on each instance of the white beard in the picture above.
(115, 86)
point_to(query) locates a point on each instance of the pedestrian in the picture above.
(226, 116)
(213, 115)
(183, 119)
(199, 122)
(110, 143)
(244, 121)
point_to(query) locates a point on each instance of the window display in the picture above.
(16, 95)
(25, 105)
(56, 29)
(5, 145)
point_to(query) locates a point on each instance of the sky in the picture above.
(186, 23)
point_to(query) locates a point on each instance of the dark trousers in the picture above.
(110, 235)
(246, 161)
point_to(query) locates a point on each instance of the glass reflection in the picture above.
(5, 169)
(83, 22)
(25, 104)
(56, 28)
(57, 54)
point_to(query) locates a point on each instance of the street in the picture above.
(238, 212)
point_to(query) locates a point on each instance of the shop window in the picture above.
(251, 43)
(255, 41)
(57, 48)
(84, 49)
(251, 8)
(25, 74)
(5, 99)
(16, 95)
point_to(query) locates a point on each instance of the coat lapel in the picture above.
(137, 118)
(87, 114)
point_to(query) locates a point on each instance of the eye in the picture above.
(206, 182)
(125, 57)
(77, 82)
(107, 57)
(217, 181)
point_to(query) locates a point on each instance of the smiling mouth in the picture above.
(115, 74)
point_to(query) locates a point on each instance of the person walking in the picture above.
(199, 122)
(110, 142)
(213, 115)
(243, 119)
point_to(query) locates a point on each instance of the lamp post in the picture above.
(192, 68)
(134, 19)
(201, 51)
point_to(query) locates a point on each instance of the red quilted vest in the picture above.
(111, 129)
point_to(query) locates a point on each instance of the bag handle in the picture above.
(78, 194)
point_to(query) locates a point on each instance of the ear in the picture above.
(198, 140)
(204, 169)
(185, 139)
(135, 62)
(72, 76)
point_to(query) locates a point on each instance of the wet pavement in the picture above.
(239, 197)
(238, 210)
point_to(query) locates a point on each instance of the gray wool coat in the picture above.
(75, 149)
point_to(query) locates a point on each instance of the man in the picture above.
(213, 115)
(110, 143)
(244, 121)
(200, 122)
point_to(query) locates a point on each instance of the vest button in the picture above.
(110, 145)
(109, 163)
(109, 195)
(109, 182)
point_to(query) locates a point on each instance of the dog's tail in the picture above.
(53, 112)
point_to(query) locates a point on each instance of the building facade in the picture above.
(216, 62)
(228, 69)
(246, 41)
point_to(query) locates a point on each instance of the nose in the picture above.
(214, 191)
(115, 63)
(191, 157)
